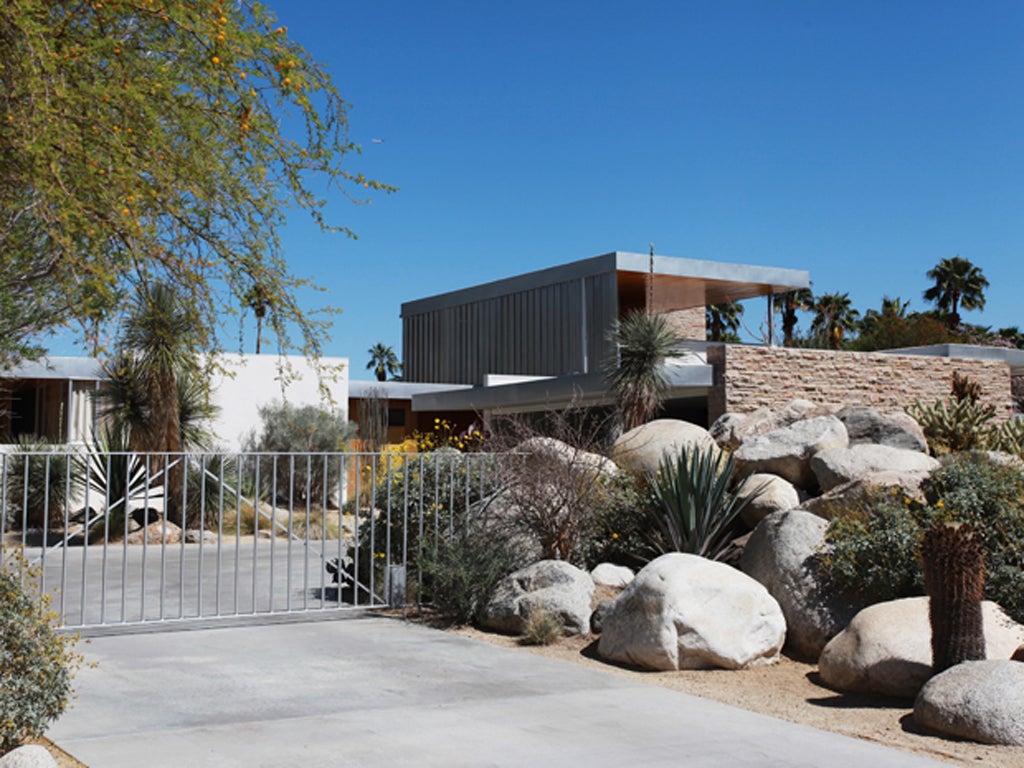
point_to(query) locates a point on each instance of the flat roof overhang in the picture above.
(690, 282)
(583, 389)
(74, 368)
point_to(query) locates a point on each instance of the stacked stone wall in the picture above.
(687, 323)
(750, 377)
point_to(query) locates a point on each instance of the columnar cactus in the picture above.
(954, 576)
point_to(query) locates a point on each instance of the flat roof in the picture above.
(704, 282)
(74, 368)
(399, 390)
(542, 393)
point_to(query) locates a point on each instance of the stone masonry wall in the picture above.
(687, 323)
(750, 377)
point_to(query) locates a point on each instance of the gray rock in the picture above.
(597, 617)
(787, 452)
(553, 586)
(726, 430)
(836, 466)
(30, 756)
(731, 430)
(783, 553)
(641, 449)
(887, 647)
(977, 700)
(857, 495)
(544, 449)
(611, 575)
(194, 536)
(768, 494)
(894, 428)
(685, 612)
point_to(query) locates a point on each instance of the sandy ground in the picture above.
(789, 690)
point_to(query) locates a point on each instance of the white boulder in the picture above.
(836, 466)
(611, 575)
(887, 647)
(685, 612)
(766, 495)
(553, 586)
(641, 449)
(783, 553)
(787, 452)
(29, 756)
(977, 700)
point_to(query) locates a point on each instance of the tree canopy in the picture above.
(958, 284)
(151, 140)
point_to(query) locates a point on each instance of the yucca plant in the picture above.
(695, 508)
(39, 484)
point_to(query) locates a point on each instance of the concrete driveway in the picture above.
(368, 691)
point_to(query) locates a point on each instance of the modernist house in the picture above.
(540, 340)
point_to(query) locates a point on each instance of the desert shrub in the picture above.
(694, 509)
(556, 489)
(290, 429)
(541, 628)
(39, 479)
(36, 662)
(618, 529)
(459, 574)
(875, 555)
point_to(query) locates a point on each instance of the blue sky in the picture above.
(861, 141)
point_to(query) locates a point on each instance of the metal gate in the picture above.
(126, 539)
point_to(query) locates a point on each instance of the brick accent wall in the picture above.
(687, 323)
(750, 377)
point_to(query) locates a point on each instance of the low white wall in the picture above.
(256, 380)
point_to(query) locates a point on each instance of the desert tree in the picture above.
(146, 140)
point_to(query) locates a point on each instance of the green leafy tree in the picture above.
(383, 361)
(959, 284)
(788, 304)
(634, 374)
(144, 140)
(834, 318)
(723, 321)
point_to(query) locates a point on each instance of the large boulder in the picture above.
(893, 428)
(887, 647)
(784, 554)
(685, 612)
(765, 495)
(553, 586)
(853, 497)
(836, 466)
(732, 429)
(641, 449)
(787, 452)
(977, 700)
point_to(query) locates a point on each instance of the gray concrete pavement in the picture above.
(368, 691)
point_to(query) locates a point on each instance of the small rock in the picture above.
(611, 575)
(553, 586)
(768, 494)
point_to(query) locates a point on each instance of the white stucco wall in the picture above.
(256, 381)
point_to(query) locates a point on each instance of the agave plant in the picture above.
(695, 508)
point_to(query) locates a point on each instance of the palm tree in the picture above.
(723, 321)
(257, 298)
(1013, 335)
(787, 304)
(958, 283)
(834, 317)
(634, 374)
(383, 361)
(891, 309)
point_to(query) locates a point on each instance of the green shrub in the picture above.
(694, 509)
(541, 628)
(36, 662)
(618, 529)
(460, 574)
(290, 429)
(39, 478)
(876, 556)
